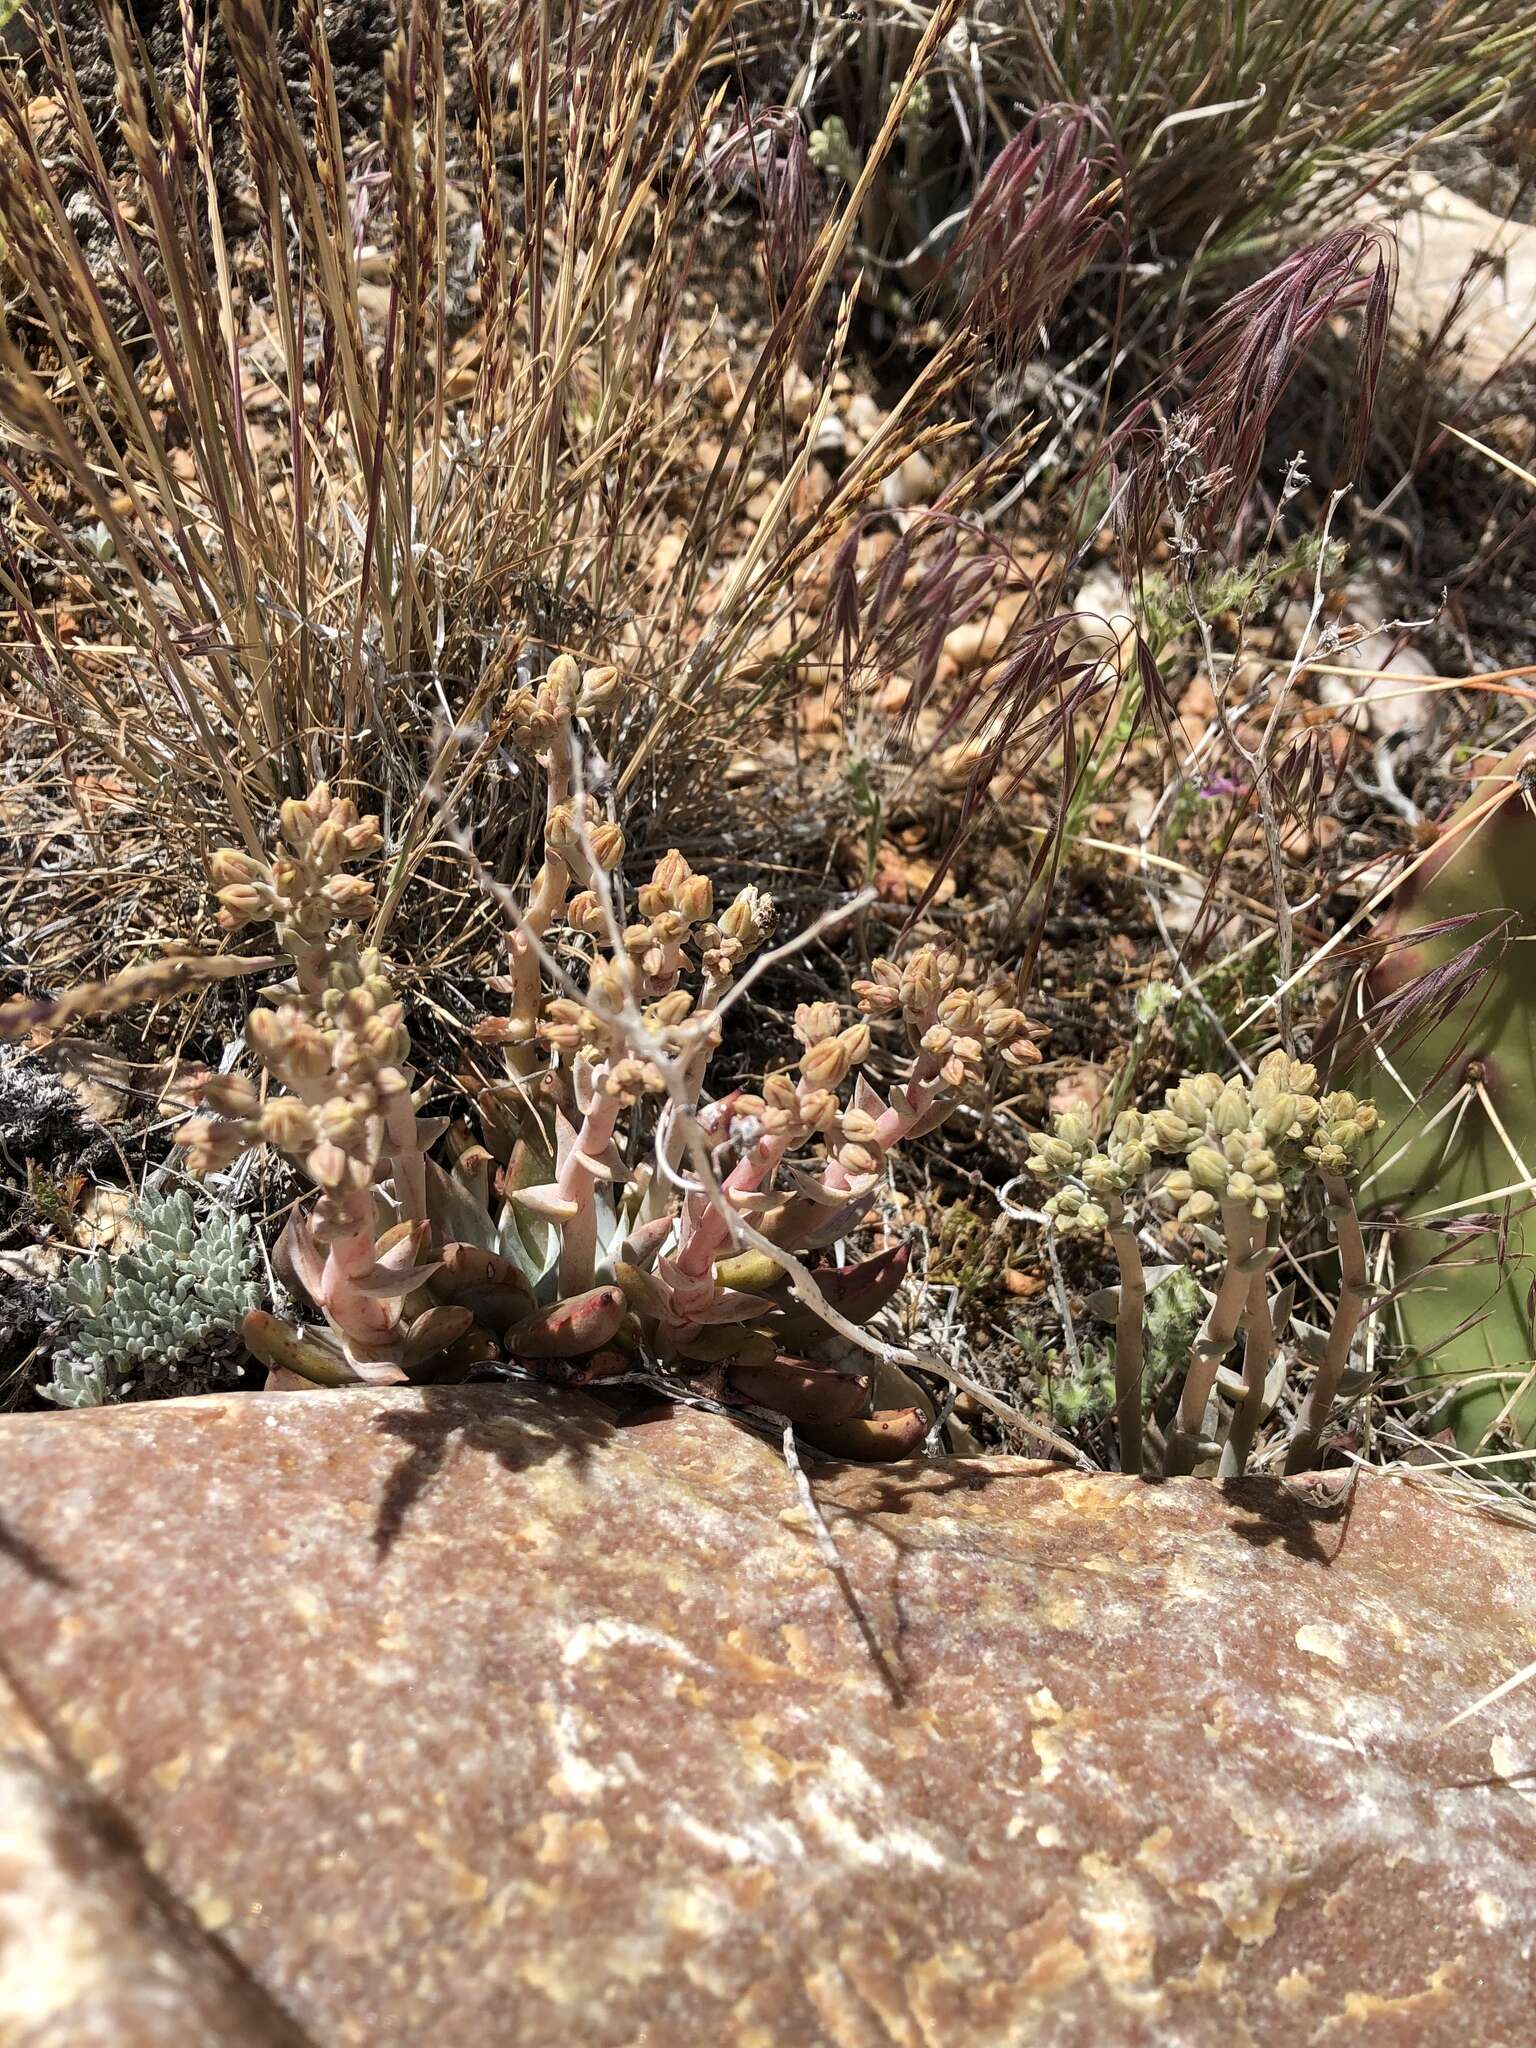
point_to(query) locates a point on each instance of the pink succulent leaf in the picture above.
(387, 1283)
(815, 1189)
(730, 1305)
(869, 1099)
(645, 1241)
(305, 1256)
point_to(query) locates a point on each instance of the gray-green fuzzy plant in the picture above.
(185, 1285)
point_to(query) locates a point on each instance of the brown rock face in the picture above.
(468, 1716)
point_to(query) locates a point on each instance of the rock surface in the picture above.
(1466, 276)
(472, 1717)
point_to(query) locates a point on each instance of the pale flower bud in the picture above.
(230, 1095)
(327, 846)
(364, 837)
(696, 898)
(663, 890)
(599, 689)
(825, 1065)
(815, 1022)
(1207, 1169)
(242, 904)
(349, 896)
(288, 1125)
(327, 1166)
(229, 866)
(671, 1010)
(343, 1122)
(584, 913)
(1074, 1129)
(1230, 1111)
(1168, 1130)
(881, 994)
(855, 1041)
(607, 846)
(818, 1106)
(210, 1146)
(780, 1092)
(857, 1160)
(564, 682)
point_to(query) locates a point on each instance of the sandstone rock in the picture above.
(1460, 264)
(475, 1716)
(911, 484)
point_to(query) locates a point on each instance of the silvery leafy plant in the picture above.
(186, 1285)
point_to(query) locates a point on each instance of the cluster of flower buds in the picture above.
(304, 889)
(577, 830)
(343, 1057)
(659, 948)
(1342, 1127)
(793, 1110)
(540, 715)
(1241, 1143)
(1099, 1177)
(952, 1025)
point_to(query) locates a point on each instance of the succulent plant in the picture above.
(1246, 1147)
(187, 1283)
(606, 1215)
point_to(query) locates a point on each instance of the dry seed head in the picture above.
(750, 918)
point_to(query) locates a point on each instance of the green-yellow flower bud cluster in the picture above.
(1241, 1143)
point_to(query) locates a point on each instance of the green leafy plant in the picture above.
(186, 1285)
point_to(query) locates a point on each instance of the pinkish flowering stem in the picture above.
(577, 1183)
